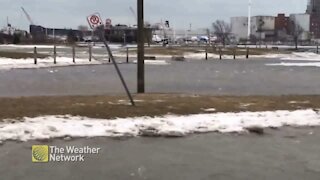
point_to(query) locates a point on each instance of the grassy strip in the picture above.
(147, 105)
(20, 55)
(173, 51)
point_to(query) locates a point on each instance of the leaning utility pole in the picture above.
(141, 86)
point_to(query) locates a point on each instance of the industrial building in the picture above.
(239, 27)
(281, 27)
(313, 7)
(313, 10)
(262, 27)
(117, 33)
(301, 21)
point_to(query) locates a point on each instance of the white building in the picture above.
(239, 27)
(263, 26)
(303, 21)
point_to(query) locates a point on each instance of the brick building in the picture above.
(314, 10)
(282, 26)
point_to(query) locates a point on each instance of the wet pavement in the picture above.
(289, 153)
(214, 77)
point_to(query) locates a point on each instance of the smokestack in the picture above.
(249, 18)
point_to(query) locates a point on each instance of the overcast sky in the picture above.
(180, 13)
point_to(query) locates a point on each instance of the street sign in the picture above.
(94, 20)
(108, 23)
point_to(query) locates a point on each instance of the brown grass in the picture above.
(151, 105)
(174, 51)
(20, 55)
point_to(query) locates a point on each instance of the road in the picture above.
(227, 77)
(288, 153)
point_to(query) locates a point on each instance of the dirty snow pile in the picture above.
(304, 59)
(302, 56)
(8, 63)
(46, 127)
(15, 46)
(154, 62)
(309, 64)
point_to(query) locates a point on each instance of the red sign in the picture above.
(94, 20)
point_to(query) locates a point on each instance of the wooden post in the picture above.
(35, 55)
(220, 53)
(206, 53)
(54, 54)
(90, 52)
(247, 56)
(73, 54)
(127, 55)
(234, 53)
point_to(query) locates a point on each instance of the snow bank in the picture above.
(311, 64)
(30, 46)
(302, 56)
(154, 62)
(8, 63)
(61, 126)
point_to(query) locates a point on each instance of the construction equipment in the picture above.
(28, 16)
(133, 13)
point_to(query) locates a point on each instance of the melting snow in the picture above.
(311, 64)
(46, 127)
(8, 63)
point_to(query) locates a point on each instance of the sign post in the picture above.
(95, 22)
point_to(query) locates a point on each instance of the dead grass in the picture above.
(20, 55)
(108, 107)
(243, 51)
(178, 51)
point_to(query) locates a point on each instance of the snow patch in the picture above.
(209, 110)
(46, 127)
(154, 62)
(8, 63)
(311, 64)
(15, 46)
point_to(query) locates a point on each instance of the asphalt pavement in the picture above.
(213, 77)
(286, 154)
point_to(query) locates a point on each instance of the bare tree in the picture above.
(222, 30)
(296, 31)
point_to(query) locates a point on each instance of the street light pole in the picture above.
(249, 18)
(141, 85)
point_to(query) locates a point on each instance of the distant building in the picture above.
(5, 38)
(239, 27)
(303, 21)
(282, 27)
(118, 33)
(313, 7)
(263, 27)
(315, 26)
(42, 34)
(313, 10)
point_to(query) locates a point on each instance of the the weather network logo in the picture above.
(40, 153)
